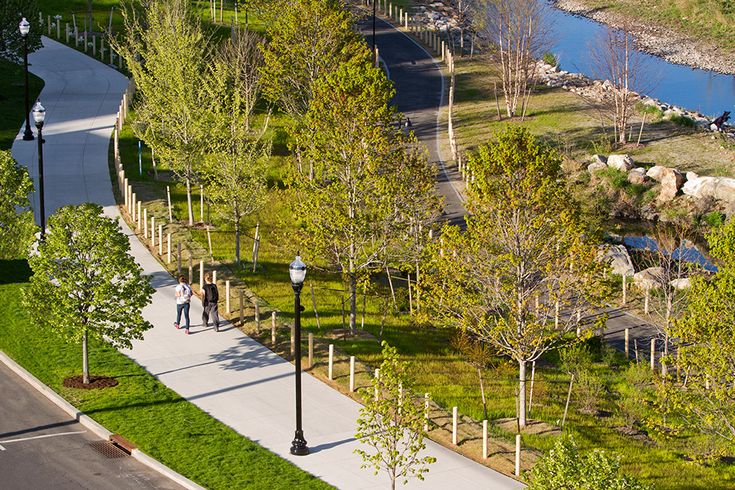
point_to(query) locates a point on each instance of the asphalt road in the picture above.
(41, 447)
(420, 95)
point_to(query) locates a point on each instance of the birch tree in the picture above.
(167, 52)
(235, 166)
(525, 271)
(17, 225)
(520, 30)
(86, 284)
(352, 210)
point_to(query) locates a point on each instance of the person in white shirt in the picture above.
(183, 302)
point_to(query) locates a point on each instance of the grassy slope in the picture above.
(141, 408)
(702, 19)
(12, 100)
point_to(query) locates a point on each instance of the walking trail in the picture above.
(227, 374)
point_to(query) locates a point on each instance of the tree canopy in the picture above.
(17, 226)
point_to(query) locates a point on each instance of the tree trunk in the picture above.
(353, 302)
(482, 392)
(90, 20)
(85, 359)
(237, 243)
(189, 206)
(522, 394)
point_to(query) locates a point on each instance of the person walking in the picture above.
(183, 302)
(210, 298)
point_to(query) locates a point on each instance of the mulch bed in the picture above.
(95, 382)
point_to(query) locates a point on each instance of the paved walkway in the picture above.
(227, 374)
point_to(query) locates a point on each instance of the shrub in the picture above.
(617, 178)
(651, 110)
(684, 121)
(714, 219)
(566, 467)
(550, 58)
(590, 389)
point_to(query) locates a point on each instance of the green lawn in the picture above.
(12, 110)
(142, 409)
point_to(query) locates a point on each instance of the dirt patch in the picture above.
(536, 427)
(95, 382)
(342, 333)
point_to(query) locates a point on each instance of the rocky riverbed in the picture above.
(660, 41)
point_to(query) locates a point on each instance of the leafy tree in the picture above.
(85, 282)
(17, 227)
(353, 209)
(11, 42)
(526, 266)
(309, 39)
(706, 341)
(167, 52)
(565, 467)
(234, 168)
(478, 354)
(392, 424)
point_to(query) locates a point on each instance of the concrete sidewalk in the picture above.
(227, 374)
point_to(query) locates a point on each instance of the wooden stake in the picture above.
(257, 314)
(518, 455)
(273, 327)
(454, 426)
(566, 406)
(331, 362)
(170, 210)
(352, 374)
(653, 354)
(627, 343)
(484, 439)
(311, 350)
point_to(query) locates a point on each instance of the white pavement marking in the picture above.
(236, 380)
(2, 448)
(45, 436)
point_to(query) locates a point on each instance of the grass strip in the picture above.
(142, 409)
(12, 90)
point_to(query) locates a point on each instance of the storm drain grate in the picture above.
(107, 449)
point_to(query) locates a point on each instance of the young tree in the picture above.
(525, 270)
(392, 424)
(85, 283)
(353, 210)
(17, 226)
(566, 467)
(705, 336)
(234, 169)
(167, 52)
(308, 40)
(616, 60)
(478, 354)
(520, 30)
(11, 42)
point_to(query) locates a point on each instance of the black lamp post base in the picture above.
(28, 136)
(298, 446)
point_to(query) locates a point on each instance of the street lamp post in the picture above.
(39, 115)
(297, 271)
(25, 27)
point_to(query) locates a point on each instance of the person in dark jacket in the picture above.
(210, 298)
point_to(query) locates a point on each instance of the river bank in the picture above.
(667, 43)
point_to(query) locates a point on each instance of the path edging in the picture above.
(92, 425)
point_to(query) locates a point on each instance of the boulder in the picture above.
(621, 162)
(671, 182)
(593, 167)
(725, 189)
(599, 159)
(650, 278)
(691, 176)
(720, 188)
(619, 259)
(683, 283)
(656, 173)
(637, 176)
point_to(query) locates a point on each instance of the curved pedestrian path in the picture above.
(227, 374)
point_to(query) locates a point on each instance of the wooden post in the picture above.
(145, 223)
(191, 269)
(352, 374)
(454, 426)
(566, 406)
(313, 301)
(331, 361)
(214, 277)
(201, 274)
(311, 350)
(426, 412)
(645, 304)
(627, 343)
(273, 327)
(160, 240)
(227, 296)
(293, 340)
(178, 258)
(257, 314)
(518, 455)
(635, 348)
(168, 248)
(170, 211)
(484, 439)
(653, 354)
(242, 306)
(201, 203)
(625, 289)
(153, 232)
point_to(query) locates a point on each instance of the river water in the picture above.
(704, 91)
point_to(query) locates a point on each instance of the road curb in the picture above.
(93, 426)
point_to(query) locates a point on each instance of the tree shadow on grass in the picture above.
(14, 271)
